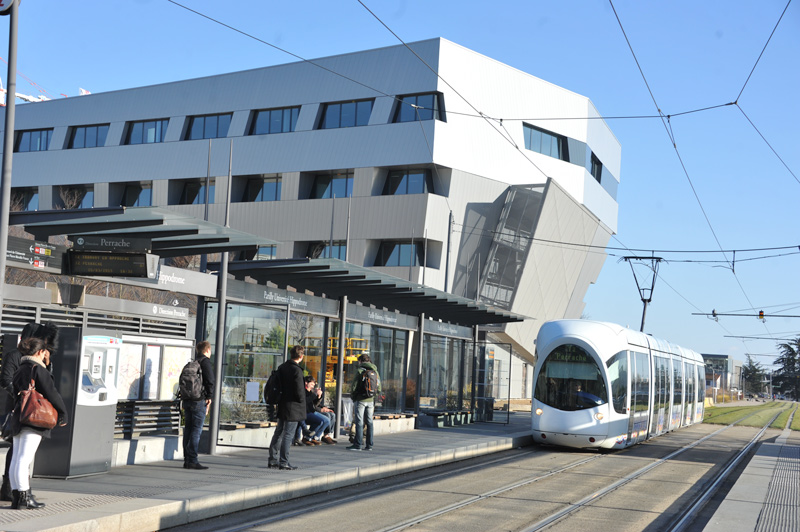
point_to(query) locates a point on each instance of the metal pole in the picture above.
(222, 311)
(418, 369)
(347, 233)
(644, 312)
(199, 329)
(340, 363)
(333, 211)
(8, 145)
(447, 256)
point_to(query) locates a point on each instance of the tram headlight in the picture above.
(598, 416)
(539, 411)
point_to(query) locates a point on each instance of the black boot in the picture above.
(14, 499)
(5, 489)
(27, 502)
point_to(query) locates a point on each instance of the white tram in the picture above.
(602, 385)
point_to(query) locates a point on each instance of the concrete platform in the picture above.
(162, 494)
(766, 497)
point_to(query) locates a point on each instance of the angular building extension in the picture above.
(458, 172)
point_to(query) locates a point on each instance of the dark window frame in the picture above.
(160, 125)
(257, 126)
(132, 195)
(321, 190)
(398, 182)
(559, 141)
(193, 192)
(24, 137)
(407, 112)
(396, 253)
(254, 190)
(193, 130)
(97, 133)
(360, 117)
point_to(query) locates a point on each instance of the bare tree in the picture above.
(71, 196)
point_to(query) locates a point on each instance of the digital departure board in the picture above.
(92, 263)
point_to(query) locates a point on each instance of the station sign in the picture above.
(111, 264)
(39, 255)
(112, 243)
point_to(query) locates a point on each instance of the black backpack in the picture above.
(272, 390)
(190, 383)
(367, 385)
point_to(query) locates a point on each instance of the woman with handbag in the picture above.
(33, 416)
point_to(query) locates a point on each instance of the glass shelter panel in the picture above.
(254, 346)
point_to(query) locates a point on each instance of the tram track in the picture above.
(574, 468)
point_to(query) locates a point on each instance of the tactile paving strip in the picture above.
(781, 510)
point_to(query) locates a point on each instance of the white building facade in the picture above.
(403, 170)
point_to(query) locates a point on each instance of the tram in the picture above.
(600, 385)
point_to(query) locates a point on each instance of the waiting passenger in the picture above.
(318, 417)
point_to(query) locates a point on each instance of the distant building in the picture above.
(526, 170)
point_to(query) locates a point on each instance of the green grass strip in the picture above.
(781, 420)
(719, 415)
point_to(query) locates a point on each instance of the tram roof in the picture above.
(172, 234)
(337, 278)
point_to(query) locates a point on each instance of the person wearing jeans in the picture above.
(291, 410)
(194, 412)
(363, 407)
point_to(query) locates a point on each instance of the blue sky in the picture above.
(693, 54)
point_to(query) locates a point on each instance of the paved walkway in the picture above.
(766, 497)
(161, 495)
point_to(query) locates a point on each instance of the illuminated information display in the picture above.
(91, 263)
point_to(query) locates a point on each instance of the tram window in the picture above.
(640, 382)
(701, 390)
(690, 376)
(570, 379)
(618, 378)
(677, 394)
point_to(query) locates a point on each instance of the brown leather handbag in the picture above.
(35, 410)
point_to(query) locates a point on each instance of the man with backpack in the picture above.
(366, 385)
(196, 385)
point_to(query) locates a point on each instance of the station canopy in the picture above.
(336, 278)
(172, 234)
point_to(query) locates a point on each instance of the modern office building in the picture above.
(442, 166)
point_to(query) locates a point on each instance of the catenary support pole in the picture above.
(340, 362)
(8, 144)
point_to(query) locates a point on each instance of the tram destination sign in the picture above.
(111, 264)
(112, 243)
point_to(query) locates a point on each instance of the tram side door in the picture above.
(640, 397)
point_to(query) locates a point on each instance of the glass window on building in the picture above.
(24, 199)
(33, 140)
(597, 168)
(324, 250)
(262, 188)
(146, 132)
(400, 254)
(265, 253)
(275, 121)
(137, 195)
(401, 182)
(254, 346)
(209, 127)
(194, 193)
(546, 142)
(88, 136)
(346, 114)
(75, 196)
(418, 107)
(337, 185)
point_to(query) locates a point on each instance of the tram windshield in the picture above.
(570, 379)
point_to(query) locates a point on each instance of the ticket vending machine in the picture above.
(85, 370)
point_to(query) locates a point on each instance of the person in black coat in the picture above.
(47, 332)
(291, 409)
(32, 367)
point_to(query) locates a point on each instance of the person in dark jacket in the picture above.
(46, 332)
(319, 418)
(194, 412)
(32, 366)
(291, 409)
